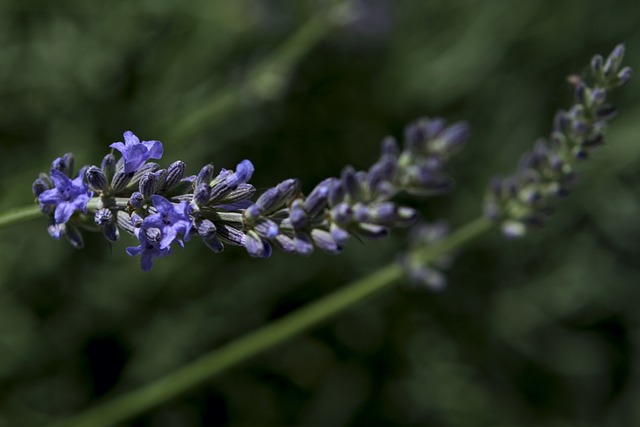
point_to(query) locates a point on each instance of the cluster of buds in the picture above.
(521, 201)
(162, 208)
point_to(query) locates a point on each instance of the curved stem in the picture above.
(462, 236)
(203, 369)
(27, 213)
(18, 215)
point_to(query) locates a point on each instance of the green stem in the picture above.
(203, 369)
(18, 215)
(454, 241)
(27, 213)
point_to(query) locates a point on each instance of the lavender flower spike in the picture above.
(135, 153)
(67, 195)
(162, 206)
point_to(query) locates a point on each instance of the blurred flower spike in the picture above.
(522, 201)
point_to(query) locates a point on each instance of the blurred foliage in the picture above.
(542, 331)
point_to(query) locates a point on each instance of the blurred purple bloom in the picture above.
(135, 153)
(170, 219)
(149, 248)
(67, 195)
(242, 174)
(56, 230)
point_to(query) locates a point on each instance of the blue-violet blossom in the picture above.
(170, 219)
(150, 247)
(135, 153)
(67, 195)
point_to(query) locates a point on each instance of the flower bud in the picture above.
(317, 200)
(325, 241)
(97, 179)
(103, 217)
(624, 76)
(201, 194)
(108, 166)
(231, 235)
(64, 164)
(73, 236)
(350, 183)
(120, 181)
(256, 247)
(389, 146)
(175, 172)
(297, 215)
(205, 175)
(303, 244)
(39, 186)
(266, 228)
(148, 184)
(136, 200)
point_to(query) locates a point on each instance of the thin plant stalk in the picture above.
(17, 215)
(265, 82)
(201, 370)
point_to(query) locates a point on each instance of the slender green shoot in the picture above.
(206, 367)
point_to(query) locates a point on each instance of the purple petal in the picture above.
(78, 181)
(64, 210)
(186, 230)
(50, 197)
(152, 221)
(130, 138)
(134, 156)
(118, 146)
(154, 149)
(184, 209)
(80, 203)
(244, 171)
(146, 261)
(168, 235)
(134, 250)
(59, 179)
(163, 205)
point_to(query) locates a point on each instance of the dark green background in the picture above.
(541, 331)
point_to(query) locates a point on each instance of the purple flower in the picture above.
(150, 247)
(171, 219)
(227, 181)
(135, 153)
(243, 173)
(67, 195)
